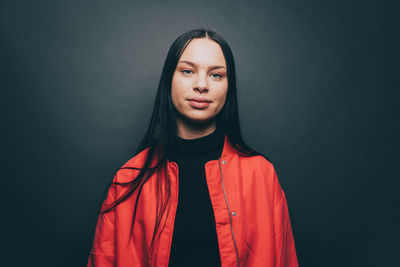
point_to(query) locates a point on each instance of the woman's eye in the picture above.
(187, 72)
(216, 76)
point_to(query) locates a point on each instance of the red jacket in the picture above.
(251, 216)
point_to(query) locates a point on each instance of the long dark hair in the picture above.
(162, 130)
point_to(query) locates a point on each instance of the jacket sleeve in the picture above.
(102, 253)
(285, 248)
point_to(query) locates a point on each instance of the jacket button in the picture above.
(223, 162)
(234, 213)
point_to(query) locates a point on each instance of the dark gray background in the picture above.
(317, 85)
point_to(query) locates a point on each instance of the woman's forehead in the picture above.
(203, 51)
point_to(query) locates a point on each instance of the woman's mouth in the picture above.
(199, 104)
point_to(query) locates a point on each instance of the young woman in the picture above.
(195, 194)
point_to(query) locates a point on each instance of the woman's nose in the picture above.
(200, 83)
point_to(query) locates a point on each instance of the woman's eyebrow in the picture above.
(194, 65)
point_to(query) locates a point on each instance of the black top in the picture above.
(194, 241)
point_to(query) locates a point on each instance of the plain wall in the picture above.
(318, 95)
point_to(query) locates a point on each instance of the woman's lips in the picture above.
(199, 104)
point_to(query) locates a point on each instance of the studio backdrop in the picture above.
(318, 95)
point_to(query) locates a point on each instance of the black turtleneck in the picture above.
(194, 241)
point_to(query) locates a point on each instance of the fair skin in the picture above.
(199, 87)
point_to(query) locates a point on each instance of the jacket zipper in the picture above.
(229, 210)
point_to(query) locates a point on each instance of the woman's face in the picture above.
(200, 83)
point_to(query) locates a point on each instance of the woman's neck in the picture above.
(191, 130)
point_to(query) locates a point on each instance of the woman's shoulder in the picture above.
(131, 168)
(137, 160)
(264, 173)
(259, 161)
(261, 166)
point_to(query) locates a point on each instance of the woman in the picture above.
(231, 209)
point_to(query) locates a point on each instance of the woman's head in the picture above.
(199, 85)
(204, 48)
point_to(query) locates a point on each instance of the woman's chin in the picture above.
(198, 120)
